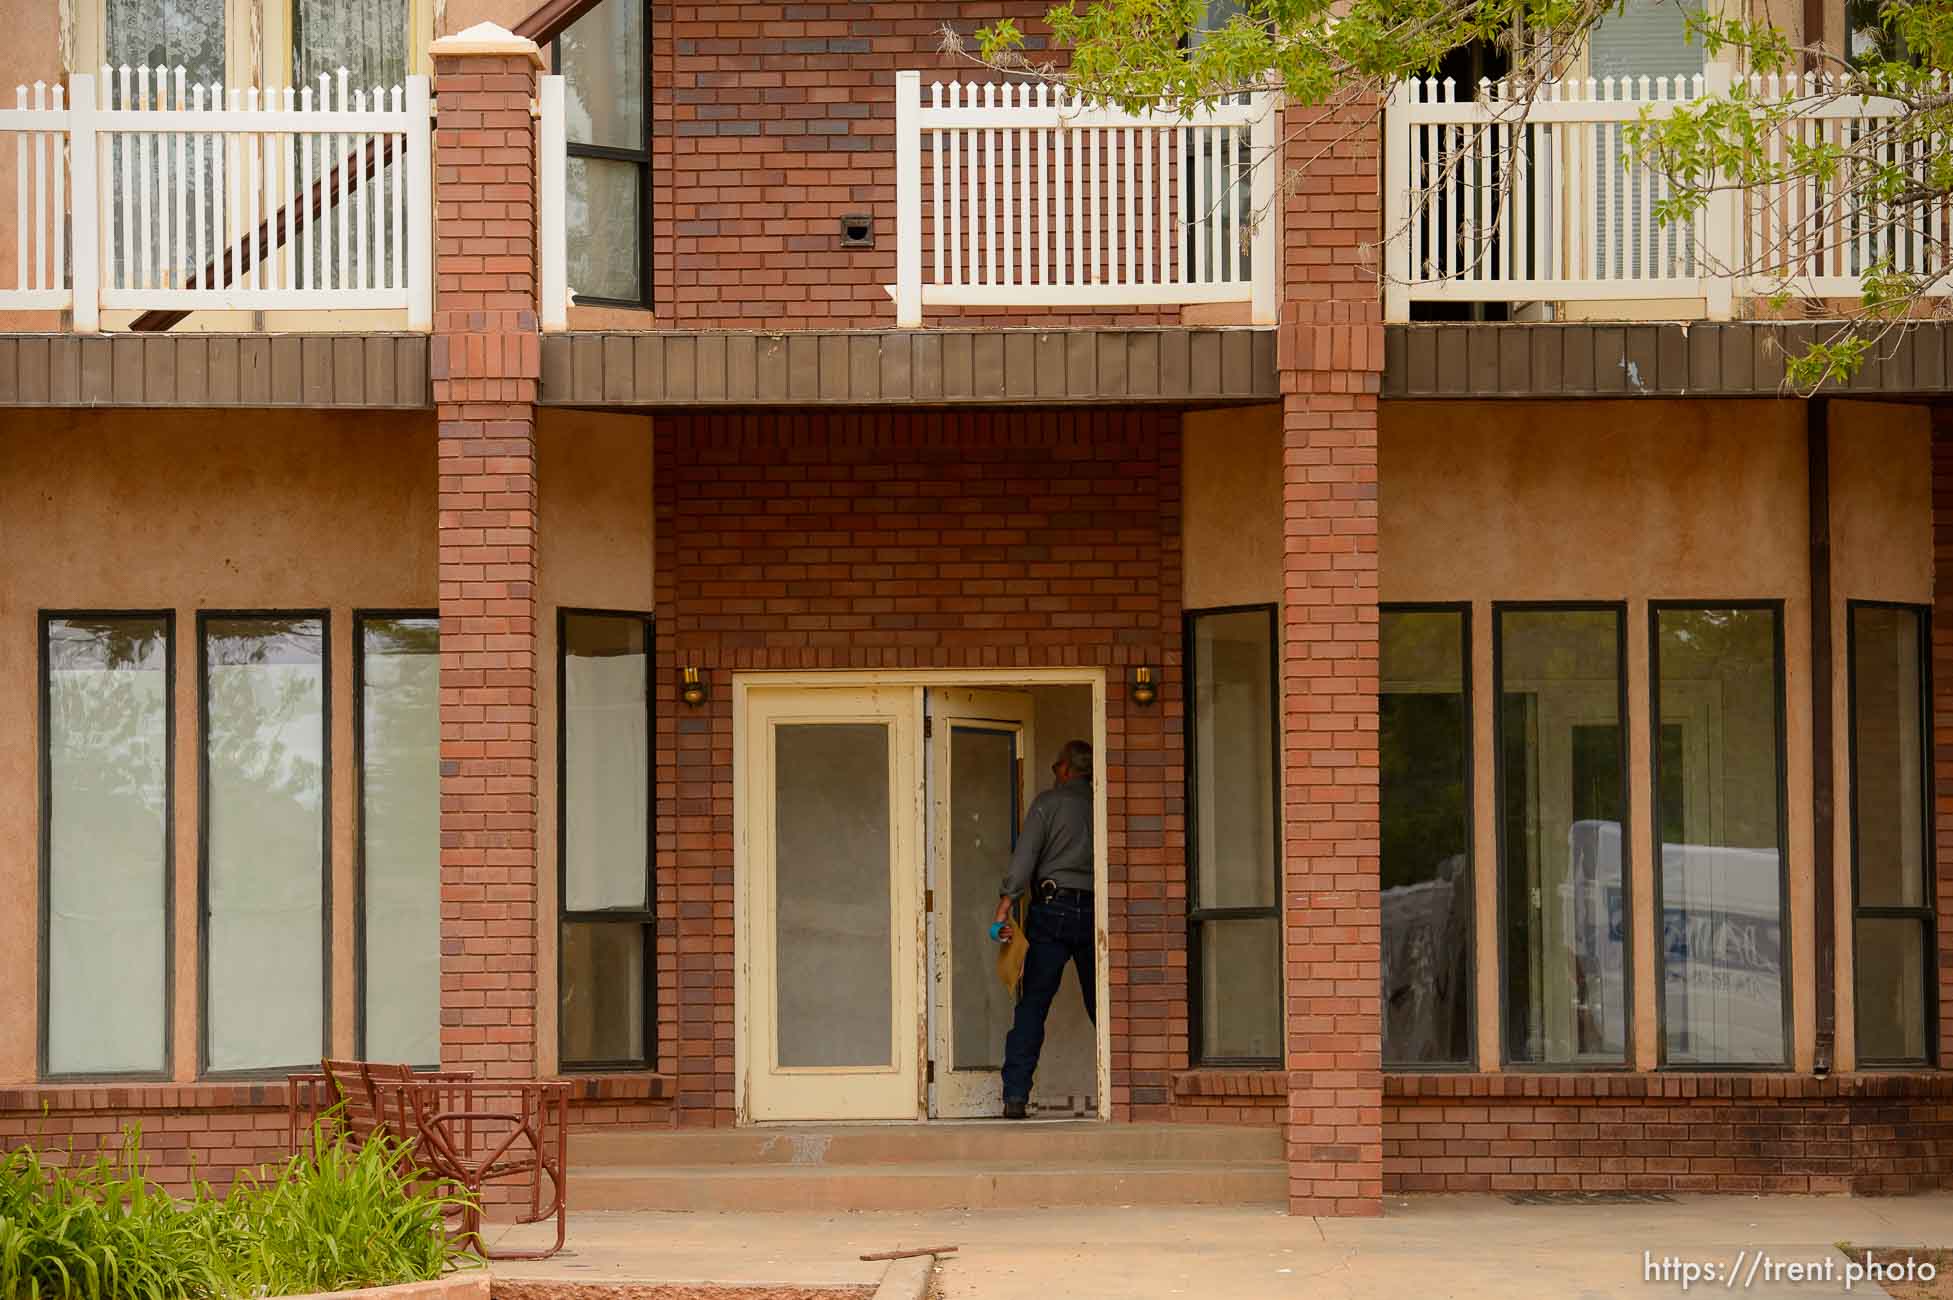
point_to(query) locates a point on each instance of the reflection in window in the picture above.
(108, 851)
(602, 59)
(1424, 746)
(1236, 843)
(400, 829)
(1562, 798)
(604, 811)
(1719, 810)
(1891, 809)
(264, 850)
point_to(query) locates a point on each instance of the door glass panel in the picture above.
(983, 818)
(1561, 785)
(834, 923)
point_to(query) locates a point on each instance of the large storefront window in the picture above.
(1891, 839)
(264, 853)
(1235, 842)
(105, 781)
(604, 840)
(1424, 746)
(400, 837)
(1563, 798)
(1718, 785)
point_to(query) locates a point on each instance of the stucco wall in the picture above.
(1232, 480)
(190, 511)
(1642, 501)
(596, 543)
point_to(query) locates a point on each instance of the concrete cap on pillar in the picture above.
(486, 38)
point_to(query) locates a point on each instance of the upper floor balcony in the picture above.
(1544, 211)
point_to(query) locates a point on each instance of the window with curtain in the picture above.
(604, 840)
(1424, 779)
(265, 855)
(1890, 648)
(368, 38)
(105, 778)
(1563, 857)
(152, 34)
(400, 837)
(1718, 787)
(604, 58)
(1235, 840)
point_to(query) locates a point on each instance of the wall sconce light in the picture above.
(691, 689)
(1144, 692)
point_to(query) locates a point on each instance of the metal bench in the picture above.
(468, 1134)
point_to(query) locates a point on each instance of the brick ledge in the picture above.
(1935, 1084)
(1236, 1085)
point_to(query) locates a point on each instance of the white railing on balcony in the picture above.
(1020, 195)
(143, 192)
(1490, 200)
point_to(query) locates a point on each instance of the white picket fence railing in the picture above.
(1035, 199)
(143, 192)
(1489, 200)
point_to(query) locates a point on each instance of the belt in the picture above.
(1048, 893)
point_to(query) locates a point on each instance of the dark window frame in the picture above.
(645, 917)
(1618, 608)
(1197, 915)
(646, 299)
(204, 618)
(1778, 666)
(45, 845)
(360, 619)
(1462, 608)
(1926, 914)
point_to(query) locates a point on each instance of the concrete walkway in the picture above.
(1462, 1246)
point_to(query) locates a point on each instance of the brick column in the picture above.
(1331, 356)
(1942, 735)
(486, 357)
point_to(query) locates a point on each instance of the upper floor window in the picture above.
(604, 59)
(271, 43)
(167, 34)
(368, 38)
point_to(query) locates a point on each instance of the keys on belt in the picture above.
(1051, 892)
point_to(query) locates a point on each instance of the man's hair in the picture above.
(1077, 755)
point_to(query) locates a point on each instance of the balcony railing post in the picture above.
(85, 261)
(552, 234)
(1723, 235)
(1264, 154)
(1396, 203)
(908, 199)
(420, 206)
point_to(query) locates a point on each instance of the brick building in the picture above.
(1515, 758)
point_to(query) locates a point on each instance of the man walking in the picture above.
(1053, 860)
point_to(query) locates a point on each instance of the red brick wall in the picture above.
(1865, 1134)
(1942, 670)
(485, 359)
(1331, 355)
(920, 540)
(772, 121)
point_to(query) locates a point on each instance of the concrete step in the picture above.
(985, 1142)
(922, 1186)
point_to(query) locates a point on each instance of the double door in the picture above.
(875, 824)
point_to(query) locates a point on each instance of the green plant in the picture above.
(333, 1217)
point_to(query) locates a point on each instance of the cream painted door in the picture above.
(979, 782)
(831, 823)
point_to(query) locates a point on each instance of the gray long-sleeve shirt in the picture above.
(1057, 841)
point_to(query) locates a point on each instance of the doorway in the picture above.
(875, 817)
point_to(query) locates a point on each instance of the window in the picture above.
(167, 34)
(105, 849)
(1719, 822)
(368, 38)
(1563, 797)
(1890, 648)
(265, 856)
(399, 740)
(604, 829)
(1425, 787)
(603, 57)
(1234, 839)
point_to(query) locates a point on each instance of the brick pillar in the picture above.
(1942, 736)
(1331, 356)
(486, 357)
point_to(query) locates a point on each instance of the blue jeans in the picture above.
(1058, 932)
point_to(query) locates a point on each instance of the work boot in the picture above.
(1014, 1108)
